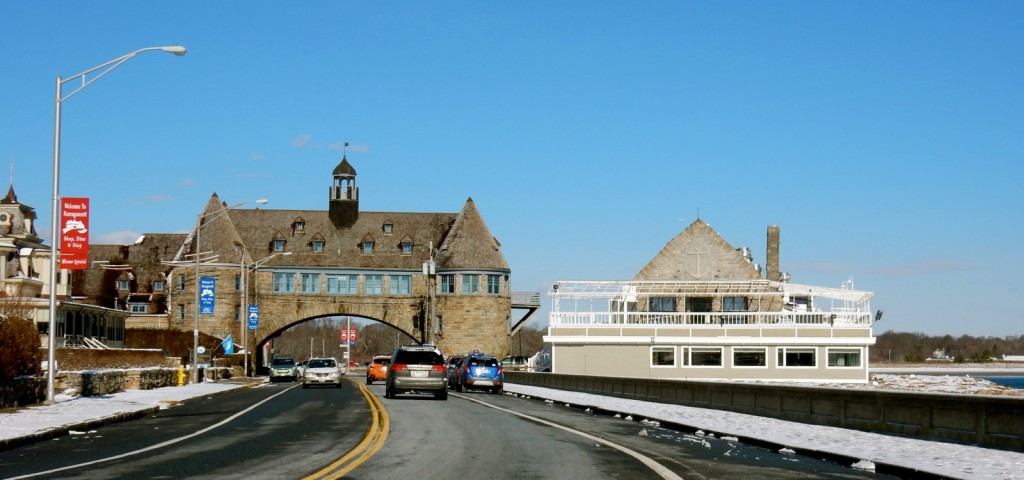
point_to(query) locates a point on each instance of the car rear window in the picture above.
(283, 362)
(483, 362)
(410, 357)
(383, 361)
(321, 364)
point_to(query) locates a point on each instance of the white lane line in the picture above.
(658, 468)
(159, 445)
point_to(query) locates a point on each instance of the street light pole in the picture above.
(245, 302)
(199, 230)
(51, 370)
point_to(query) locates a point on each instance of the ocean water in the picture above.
(1013, 382)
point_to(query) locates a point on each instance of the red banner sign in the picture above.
(74, 233)
(348, 336)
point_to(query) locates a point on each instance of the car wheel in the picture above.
(369, 381)
(305, 386)
(497, 391)
(338, 385)
(442, 395)
(458, 387)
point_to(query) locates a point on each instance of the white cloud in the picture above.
(302, 141)
(124, 237)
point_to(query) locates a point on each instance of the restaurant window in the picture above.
(797, 357)
(663, 356)
(706, 356)
(749, 357)
(844, 357)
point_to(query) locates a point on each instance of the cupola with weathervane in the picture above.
(344, 205)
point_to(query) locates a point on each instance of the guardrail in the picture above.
(987, 421)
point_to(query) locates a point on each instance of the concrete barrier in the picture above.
(987, 421)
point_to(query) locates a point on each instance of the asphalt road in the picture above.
(291, 434)
(282, 431)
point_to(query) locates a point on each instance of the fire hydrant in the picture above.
(181, 375)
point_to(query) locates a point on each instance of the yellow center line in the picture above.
(371, 443)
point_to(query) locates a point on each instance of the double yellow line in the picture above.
(371, 443)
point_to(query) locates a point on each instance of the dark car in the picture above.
(417, 368)
(480, 372)
(453, 363)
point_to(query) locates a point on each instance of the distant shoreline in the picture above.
(975, 369)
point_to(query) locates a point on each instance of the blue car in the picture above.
(480, 372)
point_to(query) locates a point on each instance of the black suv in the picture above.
(417, 368)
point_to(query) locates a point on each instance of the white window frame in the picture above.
(138, 307)
(663, 349)
(858, 351)
(781, 357)
(703, 349)
(318, 246)
(493, 284)
(762, 350)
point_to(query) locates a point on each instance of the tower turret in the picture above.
(344, 205)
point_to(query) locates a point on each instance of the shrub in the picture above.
(19, 347)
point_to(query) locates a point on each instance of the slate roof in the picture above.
(462, 239)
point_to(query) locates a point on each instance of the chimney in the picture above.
(772, 256)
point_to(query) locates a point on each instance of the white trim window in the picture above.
(663, 357)
(493, 284)
(845, 357)
(705, 357)
(798, 357)
(750, 357)
(138, 307)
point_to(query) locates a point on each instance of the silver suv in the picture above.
(283, 368)
(417, 368)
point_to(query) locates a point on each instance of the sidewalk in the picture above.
(69, 415)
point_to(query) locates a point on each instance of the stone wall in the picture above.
(987, 421)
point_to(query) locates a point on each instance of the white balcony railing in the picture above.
(592, 319)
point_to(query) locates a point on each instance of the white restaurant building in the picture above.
(702, 309)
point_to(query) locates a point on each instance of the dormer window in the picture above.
(122, 284)
(158, 285)
(387, 228)
(318, 246)
(406, 248)
(278, 245)
(299, 225)
(367, 243)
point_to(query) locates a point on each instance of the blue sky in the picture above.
(885, 139)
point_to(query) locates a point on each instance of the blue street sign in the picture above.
(254, 317)
(207, 286)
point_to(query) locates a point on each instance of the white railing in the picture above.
(831, 319)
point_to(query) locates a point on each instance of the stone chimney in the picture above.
(772, 255)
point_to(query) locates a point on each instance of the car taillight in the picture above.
(501, 370)
(465, 369)
(439, 368)
(398, 367)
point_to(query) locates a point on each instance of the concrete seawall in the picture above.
(987, 421)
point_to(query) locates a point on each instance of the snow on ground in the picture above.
(946, 459)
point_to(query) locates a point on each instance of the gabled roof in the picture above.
(698, 253)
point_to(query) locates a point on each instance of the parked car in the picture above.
(515, 363)
(417, 368)
(282, 368)
(378, 369)
(321, 371)
(453, 363)
(480, 372)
